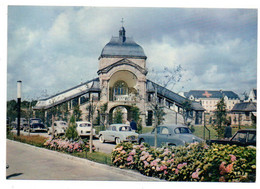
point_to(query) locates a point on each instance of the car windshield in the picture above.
(182, 130)
(84, 125)
(125, 128)
(240, 137)
(37, 125)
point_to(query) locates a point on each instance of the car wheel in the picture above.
(141, 141)
(118, 140)
(101, 139)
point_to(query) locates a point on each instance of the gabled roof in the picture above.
(152, 87)
(92, 85)
(211, 94)
(244, 107)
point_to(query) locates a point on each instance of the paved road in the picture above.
(29, 162)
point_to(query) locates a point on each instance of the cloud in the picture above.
(55, 48)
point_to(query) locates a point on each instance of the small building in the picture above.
(209, 98)
(244, 113)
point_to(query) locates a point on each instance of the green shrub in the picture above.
(71, 132)
(195, 162)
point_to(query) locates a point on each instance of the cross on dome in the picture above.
(122, 21)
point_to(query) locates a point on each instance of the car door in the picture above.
(150, 137)
(163, 135)
(113, 133)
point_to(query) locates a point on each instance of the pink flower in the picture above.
(130, 158)
(154, 163)
(163, 167)
(195, 175)
(165, 172)
(149, 158)
(123, 152)
(158, 168)
(222, 179)
(176, 171)
(133, 152)
(232, 157)
(173, 155)
(181, 165)
(229, 168)
(146, 164)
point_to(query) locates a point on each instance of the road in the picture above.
(29, 162)
(101, 147)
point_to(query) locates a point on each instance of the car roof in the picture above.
(172, 125)
(59, 121)
(82, 122)
(119, 124)
(245, 130)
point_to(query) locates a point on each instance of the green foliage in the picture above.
(77, 113)
(71, 132)
(194, 162)
(135, 114)
(186, 106)
(220, 114)
(118, 116)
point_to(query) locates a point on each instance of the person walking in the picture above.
(228, 131)
(133, 125)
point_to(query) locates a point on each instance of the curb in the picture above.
(130, 173)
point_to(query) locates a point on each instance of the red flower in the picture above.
(232, 157)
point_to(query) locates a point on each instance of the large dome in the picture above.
(122, 47)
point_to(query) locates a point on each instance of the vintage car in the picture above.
(60, 128)
(83, 128)
(244, 137)
(170, 135)
(118, 133)
(37, 127)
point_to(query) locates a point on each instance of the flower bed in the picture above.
(196, 162)
(67, 145)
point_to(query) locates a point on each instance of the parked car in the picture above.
(170, 135)
(60, 128)
(34, 120)
(83, 128)
(36, 127)
(244, 137)
(118, 133)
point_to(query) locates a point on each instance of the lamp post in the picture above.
(19, 92)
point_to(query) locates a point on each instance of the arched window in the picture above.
(120, 88)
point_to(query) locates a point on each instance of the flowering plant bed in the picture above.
(67, 145)
(195, 162)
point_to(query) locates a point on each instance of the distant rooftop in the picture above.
(211, 94)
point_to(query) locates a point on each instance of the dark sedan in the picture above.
(245, 137)
(37, 127)
(170, 135)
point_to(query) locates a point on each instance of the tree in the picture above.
(103, 113)
(71, 132)
(135, 114)
(220, 114)
(118, 116)
(167, 78)
(77, 113)
(186, 109)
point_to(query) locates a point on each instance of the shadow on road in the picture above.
(13, 175)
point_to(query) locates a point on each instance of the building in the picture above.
(252, 97)
(122, 84)
(209, 98)
(244, 113)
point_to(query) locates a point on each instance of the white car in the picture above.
(118, 133)
(60, 128)
(84, 128)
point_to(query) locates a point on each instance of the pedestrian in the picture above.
(228, 131)
(133, 125)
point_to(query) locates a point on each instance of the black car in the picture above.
(36, 127)
(245, 137)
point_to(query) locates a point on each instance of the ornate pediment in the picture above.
(124, 61)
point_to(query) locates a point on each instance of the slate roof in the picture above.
(81, 89)
(244, 107)
(211, 94)
(151, 87)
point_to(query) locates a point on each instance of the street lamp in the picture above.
(19, 94)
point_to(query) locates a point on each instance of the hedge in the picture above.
(194, 162)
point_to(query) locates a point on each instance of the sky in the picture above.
(53, 48)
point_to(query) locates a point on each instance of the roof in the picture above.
(211, 94)
(92, 85)
(122, 47)
(244, 107)
(151, 87)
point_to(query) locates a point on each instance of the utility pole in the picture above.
(19, 92)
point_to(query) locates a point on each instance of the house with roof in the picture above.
(244, 113)
(252, 97)
(209, 98)
(122, 84)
